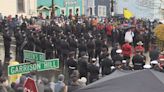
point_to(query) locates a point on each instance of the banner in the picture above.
(127, 14)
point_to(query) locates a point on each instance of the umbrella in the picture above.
(128, 81)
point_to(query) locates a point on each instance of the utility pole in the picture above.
(112, 7)
(53, 9)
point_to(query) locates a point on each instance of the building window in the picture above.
(102, 11)
(77, 11)
(91, 11)
(20, 6)
(63, 11)
(91, 2)
(70, 11)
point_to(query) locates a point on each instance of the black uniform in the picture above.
(98, 44)
(106, 66)
(115, 36)
(83, 66)
(43, 41)
(138, 61)
(64, 48)
(82, 46)
(19, 41)
(7, 43)
(71, 64)
(49, 49)
(103, 56)
(30, 42)
(37, 42)
(113, 52)
(72, 45)
(94, 72)
(91, 48)
(117, 59)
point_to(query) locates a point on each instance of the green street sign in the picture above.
(49, 64)
(33, 56)
(39, 66)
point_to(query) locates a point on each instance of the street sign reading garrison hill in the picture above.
(33, 56)
(38, 66)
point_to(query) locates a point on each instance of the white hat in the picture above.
(123, 61)
(147, 66)
(93, 59)
(140, 43)
(119, 51)
(112, 67)
(154, 62)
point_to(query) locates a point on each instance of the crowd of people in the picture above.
(87, 47)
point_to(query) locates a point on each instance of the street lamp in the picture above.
(112, 7)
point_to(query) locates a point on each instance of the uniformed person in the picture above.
(83, 65)
(106, 64)
(138, 61)
(93, 71)
(49, 48)
(73, 44)
(7, 42)
(91, 48)
(37, 43)
(82, 46)
(19, 41)
(71, 63)
(98, 45)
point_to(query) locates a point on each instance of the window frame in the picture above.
(102, 11)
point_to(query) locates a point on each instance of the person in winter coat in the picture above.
(60, 85)
(74, 84)
(7, 42)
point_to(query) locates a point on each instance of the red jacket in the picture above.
(109, 29)
(127, 49)
(100, 27)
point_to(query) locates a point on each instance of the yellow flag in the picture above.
(127, 14)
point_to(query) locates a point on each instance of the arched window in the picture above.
(20, 6)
